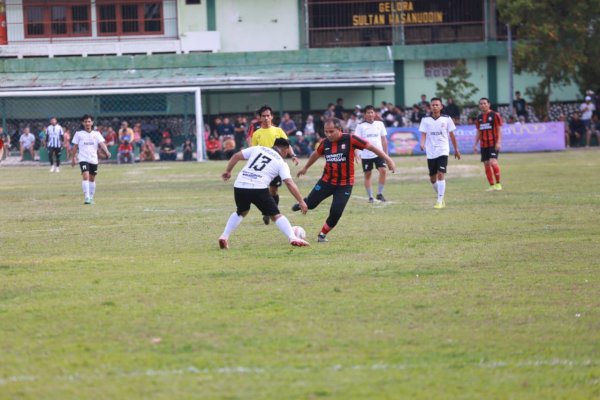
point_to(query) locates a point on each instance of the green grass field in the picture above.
(495, 297)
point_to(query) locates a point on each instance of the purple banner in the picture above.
(516, 138)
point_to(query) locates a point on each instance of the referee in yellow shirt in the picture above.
(265, 136)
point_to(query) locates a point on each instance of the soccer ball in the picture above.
(299, 232)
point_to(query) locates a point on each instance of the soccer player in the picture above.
(489, 136)
(251, 187)
(375, 133)
(265, 136)
(435, 130)
(85, 145)
(337, 180)
(54, 144)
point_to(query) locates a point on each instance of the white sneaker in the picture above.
(57, 169)
(52, 169)
(297, 242)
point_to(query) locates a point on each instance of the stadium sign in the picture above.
(397, 13)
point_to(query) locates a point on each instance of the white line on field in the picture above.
(192, 370)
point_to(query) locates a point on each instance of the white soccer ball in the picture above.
(299, 232)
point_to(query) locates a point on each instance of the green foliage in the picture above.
(457, 86)
(495, 296)
(553, 38)
(539, 101)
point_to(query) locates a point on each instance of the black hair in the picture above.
(281, 142)
(369, 107)
(86, 116)
(436, 98)
(263, 109)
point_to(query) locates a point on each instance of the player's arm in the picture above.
(104, 149)
(499, 133)
(423, 137)
(291, 185)
(232, 161)
(477, 138)
(453, 140)
(74, 154)
(391, 164)
(311, 160)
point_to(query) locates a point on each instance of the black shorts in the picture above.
(87, 167)
(276, 182)
(261, 198)
(436, 165)
(489, 152)
(367, 163)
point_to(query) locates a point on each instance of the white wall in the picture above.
(268, 26)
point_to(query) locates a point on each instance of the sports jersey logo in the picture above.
(485, 126)
(343, 146)
(338, 157)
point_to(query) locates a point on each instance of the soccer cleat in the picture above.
(266, 219)
(296, 207)
(52, 169)
(299, 242)
(57, 169)
(498, 187)
(87, 201)
(440, 204)
(322, 238)
(92, 200)
(371, 200)
(223, 243)
(491, 188)
(380, 197)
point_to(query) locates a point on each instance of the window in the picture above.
(129, 18)
(193, 2)
(43, 19)
(440, 69)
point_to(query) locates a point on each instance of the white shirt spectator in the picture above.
(27, 140)
(587, 109)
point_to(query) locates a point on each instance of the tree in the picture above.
(457, 86)
(552, 39)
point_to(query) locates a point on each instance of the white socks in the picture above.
(85, 185)
(92, 189)
(435, 187)
(441, 190)
(284, 226)
(232, 223)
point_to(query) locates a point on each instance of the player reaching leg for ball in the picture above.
(252, 187)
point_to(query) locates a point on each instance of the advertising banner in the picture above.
(516, 138)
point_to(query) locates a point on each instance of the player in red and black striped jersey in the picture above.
(338, 175)
(489, 136)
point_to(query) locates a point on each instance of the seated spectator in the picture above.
(137, 136)
(302, 146)
(125, 153)
(148, 150)
(165, 135)
(228, 147)
(288, 125)
(352, 123)
(593, 131)
(310, 129)
(225, 128)
(27, 143)
(168, 152)
(188, 150)
(576, 131)
(125, 133)
(111, 137)
(214, 148)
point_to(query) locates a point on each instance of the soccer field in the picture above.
(497, 296)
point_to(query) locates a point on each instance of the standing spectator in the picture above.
(358, 112)
(125, 133)
(250, 187)
(416, 116)
(85, 146)
(374, 133)
(594, 130)
(577, 131)
(437, 131)
(54, 143)
(329, 112)
(452, 110)
(310, 130)
(27, 143)
(137, 140)
(225, 129)
(266, 136)
(352, 123)
(587, 110)
(424, 104)
(254, 125)
(188, 150)
(168, 152)
(214, 148)
(4, 143)
(338, 110)
(148, 150)
(67, 142)
(288, 125)
(489, 136)
(338, 175)
(125, 153)
(240, 127)
(520, 106)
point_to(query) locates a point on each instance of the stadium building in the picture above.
(297, 55)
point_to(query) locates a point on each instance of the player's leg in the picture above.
(367, 166)
(432, 167)
(382, 169)
(93, 171)
(496, 169)
(440, 177)
(489, 173)
(341, 195)
(85, 181)
(57, 154)
(242, 201)
(274, 191)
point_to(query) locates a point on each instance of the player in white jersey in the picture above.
(54, 144)
(85, 146)
(373, 132)
(436, 131)
(252, 187)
